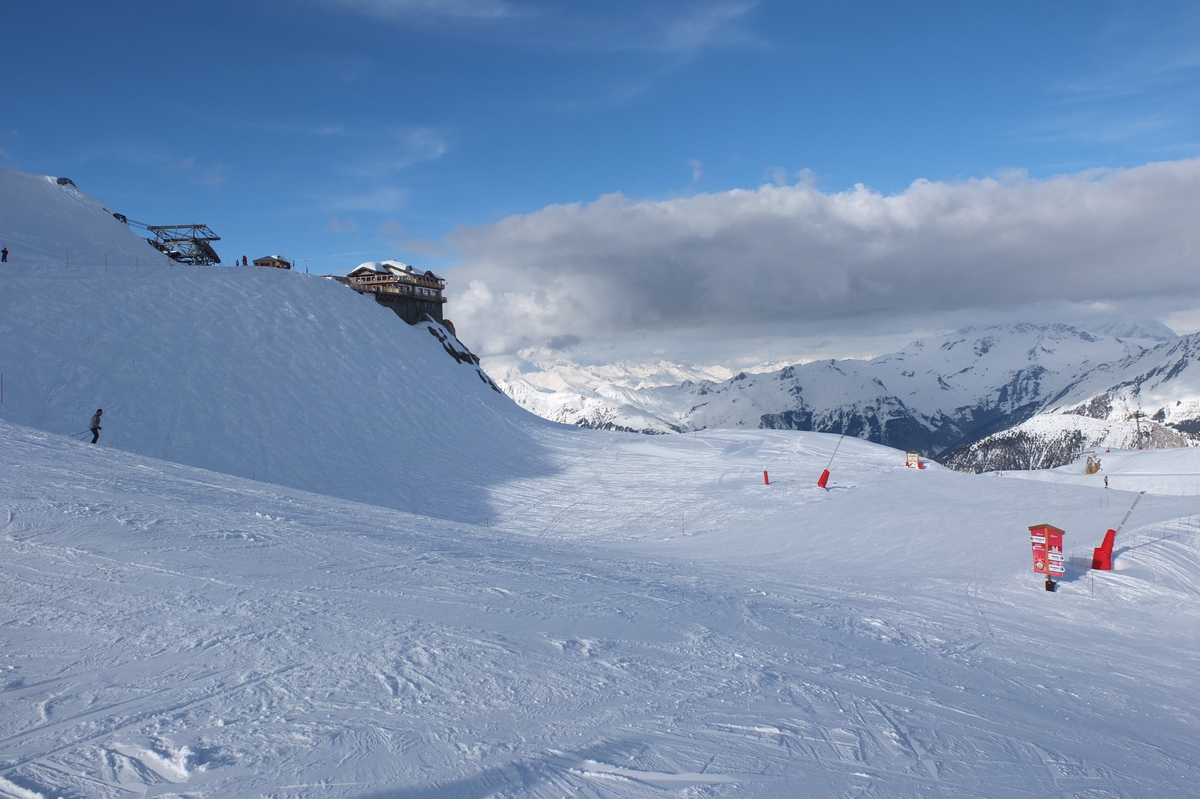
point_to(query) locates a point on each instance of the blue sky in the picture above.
(339, 131)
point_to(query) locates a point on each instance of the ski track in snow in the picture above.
(172, 632)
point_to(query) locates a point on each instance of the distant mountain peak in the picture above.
(1153, 330)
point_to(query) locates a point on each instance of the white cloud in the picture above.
(399, 150)
(214, 176)
(427, 9)
(780, 258)
(705, 26)
(416, 145)
(384, 199)
(426, 247)
(399, 238)
(680, 28)
(347, 225)
(1140, 85)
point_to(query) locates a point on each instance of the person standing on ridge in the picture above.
(94, 425)
(4, 256)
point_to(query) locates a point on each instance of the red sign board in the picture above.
(1047, 542)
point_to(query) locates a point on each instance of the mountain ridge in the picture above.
(936, 395)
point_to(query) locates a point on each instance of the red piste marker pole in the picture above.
(821, 482)
(766, 479)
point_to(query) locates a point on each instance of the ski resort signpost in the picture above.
(1047, 541)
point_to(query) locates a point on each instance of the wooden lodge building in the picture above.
(277, 261)
(411, 294)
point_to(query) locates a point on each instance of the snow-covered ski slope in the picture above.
(43, 223)
(648, 619)
(261, 373)
(520, 609)
(1157, 471)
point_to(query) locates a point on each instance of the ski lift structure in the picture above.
(1138, 416)
(185, 244)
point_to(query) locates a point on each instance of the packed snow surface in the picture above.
(646, 619)
(1160, 471)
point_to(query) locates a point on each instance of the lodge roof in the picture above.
(389, 268)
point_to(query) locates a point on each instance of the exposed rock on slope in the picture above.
(1051, 440)
(1151, 399)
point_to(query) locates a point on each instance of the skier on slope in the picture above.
(94, 425)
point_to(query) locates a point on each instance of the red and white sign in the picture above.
(1047, 543)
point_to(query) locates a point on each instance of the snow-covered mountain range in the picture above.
(603, 397)
(1150, 399)
(934, 396)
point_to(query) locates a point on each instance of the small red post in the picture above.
(824, 479)
(766, 479)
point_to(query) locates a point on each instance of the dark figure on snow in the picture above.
(4, 256)
(94, 425)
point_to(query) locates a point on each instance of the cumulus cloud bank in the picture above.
(784, 255)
